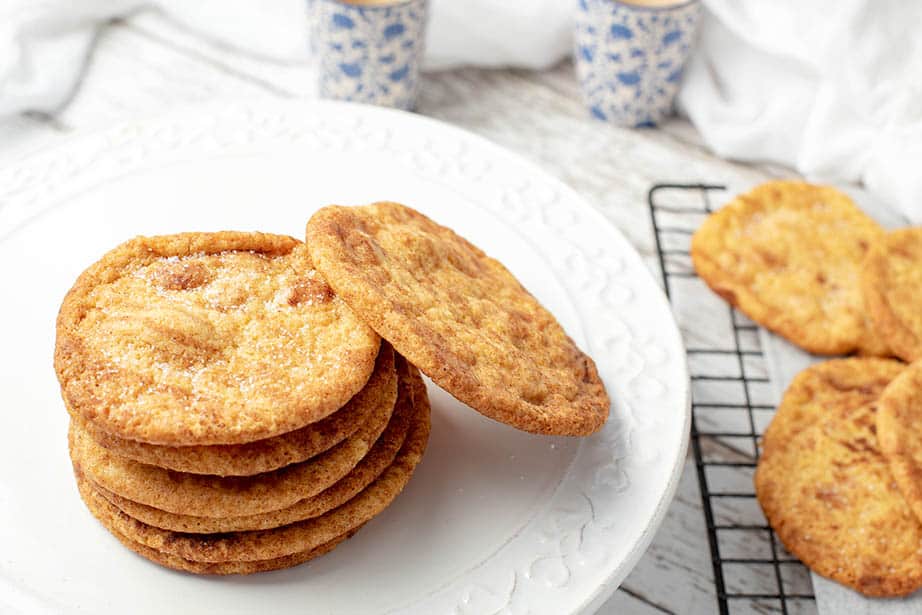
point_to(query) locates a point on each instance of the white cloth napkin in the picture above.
(43, 48)
(832, 90)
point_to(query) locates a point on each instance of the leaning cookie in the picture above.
(460, 316)
(891, 279)
(788, 255)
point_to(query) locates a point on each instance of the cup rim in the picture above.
(650, 9)
(377, 7)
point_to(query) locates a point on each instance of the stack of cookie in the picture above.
(217, 386)
(233, 409)
(840, 475)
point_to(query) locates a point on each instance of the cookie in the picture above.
(270, 454)
(828, 493)
(283, 541)
(208, 338)
(459, 316)
(370, 468)
(839, 384)
(891, 279)
(899, 429)
(232, 496)
(219, 568)
(788, 255)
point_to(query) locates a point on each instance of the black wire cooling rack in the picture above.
(732, 402)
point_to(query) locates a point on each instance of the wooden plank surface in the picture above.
(148, 64)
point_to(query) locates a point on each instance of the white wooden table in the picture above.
(148, 64)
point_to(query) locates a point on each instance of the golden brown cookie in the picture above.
(839, 384)
(458, 315)
(788, 255)
(892, 284)
(270, 454)
(370, 468)
(231, 496)
(899, 429)
(283, 541)
(219, 568)
(828, 493)
(208, 338)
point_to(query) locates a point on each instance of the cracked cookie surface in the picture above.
(460, 316)
(827, 491)
(788, 255)
(208, 338)
(268, 454)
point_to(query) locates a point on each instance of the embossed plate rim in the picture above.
(603, 462)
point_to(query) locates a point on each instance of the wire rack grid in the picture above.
(732, 402)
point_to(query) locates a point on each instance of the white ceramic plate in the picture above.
(495, 520)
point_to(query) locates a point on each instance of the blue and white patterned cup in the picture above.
(369, 51)
(629, 57)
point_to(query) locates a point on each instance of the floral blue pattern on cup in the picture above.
(369, 53)
(629, 58)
